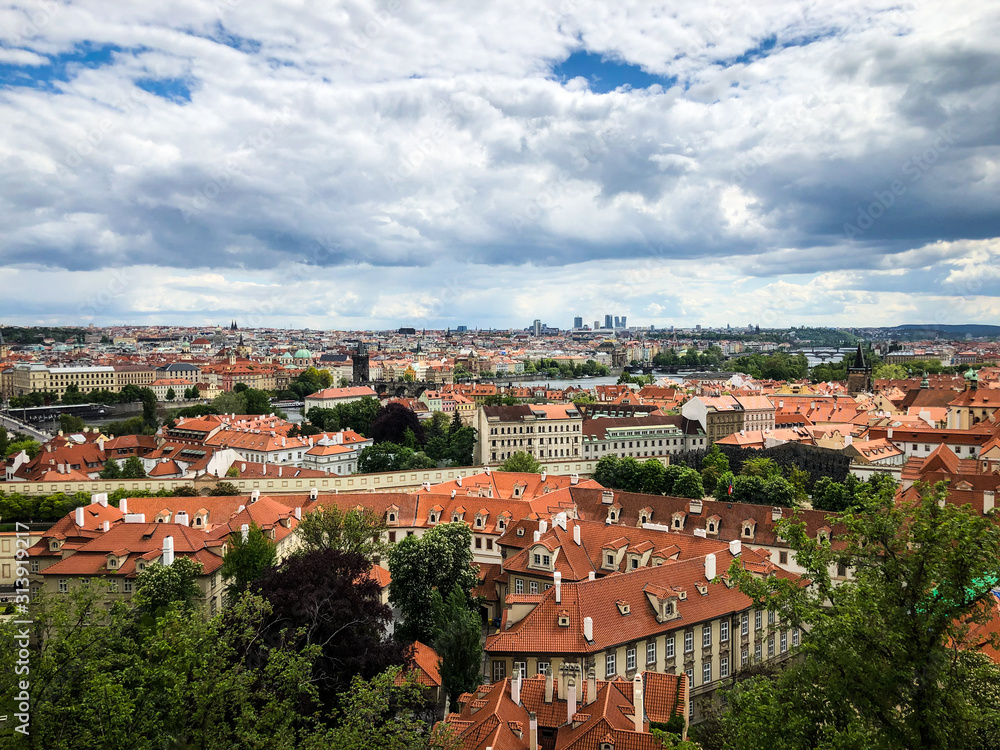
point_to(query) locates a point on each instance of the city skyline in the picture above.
(402, 165)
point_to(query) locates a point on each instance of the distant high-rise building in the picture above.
(536, 327)
(624, 323)
(461, 329)
(618, 322)
(608, 321)
(597, 324)
(578, 322)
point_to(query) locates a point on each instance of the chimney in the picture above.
(574, 479)
(298, 514)
(100, 444)
(453, 493)
(988, 500)
(591, 576)
(735, 547)
(168, 550)
(79, 516)
(701, 532)
(241, 509)
(557, 577)
(515, 688)
(279, 470)
(245, 530)
(537, 535)
(426, 486)
(100, 498)
(181, 517)
(848, 439)
(123, 505)
(135, 518)
(888, 433)
(532, 731)
(458, 480)
(591, 686)
(576, 534)
(106, 526)
(588, 628)
(695, 505)
(548, 684)
(638, 703)
(543, 475)
(775, 513)
(313, 493)
(543, 526)
(571, 700)
(487, 470)
(255, 496)
(709, 567)
(607, 497)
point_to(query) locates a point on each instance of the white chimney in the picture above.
(591, 686)
(101, 498)
(135, 518)
(181, 517)
(537, 535)
(168, 550)
(588, 628)
(701, 532)
(735, 547)
(571, 700)
(453, 493)
(106, 525)
(848, 439)
(298, 513)
(557, 577)
(576, 534)
(313, 493)
(279, 470)
(532, 731)
(487, 469)
(543, 526)
(245, 530)
(79, 516)
(592, 576)
(123, 505)
(988, 500)
(695, 505)
(458, 480)
(254, 496)
(515, 688)
(775, 513)
(888, 433)
(574, 479)
(709, 567)
(543, 475)
(548, 684)
(638, 703)
(426, 486)
(607, 497)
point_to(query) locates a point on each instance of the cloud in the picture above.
(792, 157)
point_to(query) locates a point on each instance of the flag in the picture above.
(729, 490)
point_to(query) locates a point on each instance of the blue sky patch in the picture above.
(605, 74)
(61, 67)
(770, 44)
(176, 90)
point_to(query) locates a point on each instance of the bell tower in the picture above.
(859, 375)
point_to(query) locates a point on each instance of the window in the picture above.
(669, 647)
(756, 651)
(537, 559)
(770, 617)
(127, 588)
(543, 667)
(518, 585)
(744, 623)
(706, 672)
(630, 658)
(479, 543)
(688, 641)
(706, 636)
(609, 666)
(521, 668)
(499, 670)
(724, 666)
(533, 587)
(546, 560)
(841, 570)
(784, 641)
(724, 631)
(758, 619)
(635, 563)
(795, 636)
(610, 561)
(63, 587)
(392, 536)
(33, 565)
(113, 585)
(690, 673)
(745, 657)
(783, 558)
(770, 646)
(651, 652)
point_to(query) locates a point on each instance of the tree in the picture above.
(356, 530)
(606, 470)
(651, 475)
(521, 461)
(884, 660)
(257, 402)
(441, 559)
(69, 423)
(327, 599)
(159, 586)
(231, 402)
(4, 442)
(31, 447)
(133, 468)
(716, 459)
(149, 416)
(391, 424)
(222, 489)
(689, 484)
(765, 468)
(111, 470)
(382, 457)
(458, 643)
(462, 445)
(171, 394)
(246, 559)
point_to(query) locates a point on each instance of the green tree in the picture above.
(439, 560)
(383, 457)
(160, 586)
(356, 530)
(230, 402)
(69, 423)
(257, 402)
(149, 416)
(462, 445)
(879, 666)
(765, 468)
(606, 471)
(716, 459)
(521, 461)
(651, 475)
(29, 446)
(689, 484)
(133, 468)
(458, 642)
(4, 441)
(246, 559)
(886, 371)
(222, 489)
(171, 394)
(111, 470)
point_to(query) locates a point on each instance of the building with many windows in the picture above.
(546, 431)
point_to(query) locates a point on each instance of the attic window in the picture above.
(702, 588)
(140, 566)
(197, 521)
(501, 524)
(433, 517)
(392, 518)
(612, 516)
(643, 519)
(564, 619)
(623, 607)
(610, 560)
(479, 522)
(112, 563)
(668, 609)
(711, 527)
(520, 531)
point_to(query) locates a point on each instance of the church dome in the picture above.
(303, 354)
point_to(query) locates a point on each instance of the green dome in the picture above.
(285, 355)
(971, 374)
(303, 354)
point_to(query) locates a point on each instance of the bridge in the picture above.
(17, 426)
(35, 414)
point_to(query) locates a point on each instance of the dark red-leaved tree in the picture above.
(391, 423)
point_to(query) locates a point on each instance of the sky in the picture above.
(368, 165)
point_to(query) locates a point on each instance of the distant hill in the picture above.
(928, 330)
